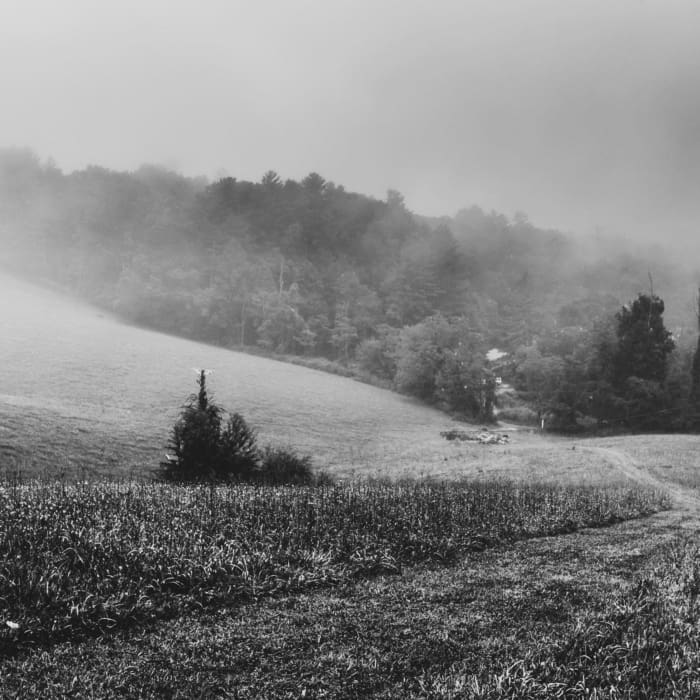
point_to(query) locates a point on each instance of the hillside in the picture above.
(529, 571)
(310, 269)
(83, 392)
(81, 389)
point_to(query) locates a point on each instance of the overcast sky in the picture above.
(581, 113)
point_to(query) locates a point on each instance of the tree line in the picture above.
(307, 268)
(624, 372)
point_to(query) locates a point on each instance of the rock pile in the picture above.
(484, 437)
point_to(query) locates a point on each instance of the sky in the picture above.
(583, 114)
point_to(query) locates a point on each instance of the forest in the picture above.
(593, 333)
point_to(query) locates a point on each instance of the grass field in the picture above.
(492, 625)
(548, 567)
(81, 391)
(94, 557)
(86, 561)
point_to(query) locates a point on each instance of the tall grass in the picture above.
(645, 644)
(88, 557)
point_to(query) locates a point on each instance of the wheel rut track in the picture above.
(684, 498)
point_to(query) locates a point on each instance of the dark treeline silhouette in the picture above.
(307, 268)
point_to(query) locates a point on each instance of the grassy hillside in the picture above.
(79, 390)
(82, 392)
(477, 589)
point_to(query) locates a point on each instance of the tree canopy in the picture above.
(308, 268)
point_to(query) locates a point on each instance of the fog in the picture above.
(583, 115)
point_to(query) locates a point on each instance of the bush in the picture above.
(518, 414)
(285, 466)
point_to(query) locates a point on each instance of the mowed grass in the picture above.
(673, 459)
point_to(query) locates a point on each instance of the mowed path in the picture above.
(658, 461)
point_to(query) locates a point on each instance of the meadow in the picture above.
(82, 394)
(85, 396)
(487, 589)
(669, 459)
(547, 567)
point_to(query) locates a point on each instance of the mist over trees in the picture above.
(306, 268)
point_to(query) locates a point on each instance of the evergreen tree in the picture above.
(194, 439)
(202, 451)
(643, 344)
(238, 451)
(639, 365)
(694, 398)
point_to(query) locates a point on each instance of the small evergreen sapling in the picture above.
(194, 441)
(202, 450)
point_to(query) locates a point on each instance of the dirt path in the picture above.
(684, 498)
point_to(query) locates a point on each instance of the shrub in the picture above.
(518, 414)
(285, 466)
(323, 478)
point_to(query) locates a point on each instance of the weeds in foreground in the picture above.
(86, 558)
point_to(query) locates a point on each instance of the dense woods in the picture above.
(306, 268)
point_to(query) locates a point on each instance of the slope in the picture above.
(80, 391)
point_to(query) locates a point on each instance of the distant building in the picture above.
(495, 354)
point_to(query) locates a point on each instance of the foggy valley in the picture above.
(349, 349)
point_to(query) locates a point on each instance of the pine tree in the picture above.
(194, 440)
(202, 450)
(640, 363)
(643, 344)
(238, 451)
